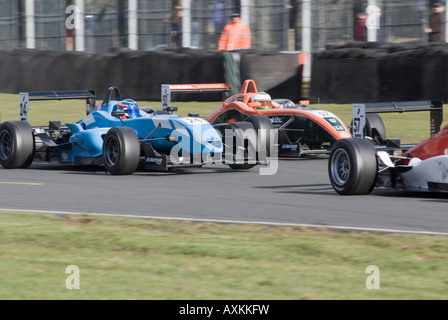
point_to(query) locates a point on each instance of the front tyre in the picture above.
(121, 151)
(352, 166)
(16, 145)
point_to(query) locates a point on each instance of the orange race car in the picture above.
(302, 130)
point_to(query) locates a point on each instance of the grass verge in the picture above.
(122, 258)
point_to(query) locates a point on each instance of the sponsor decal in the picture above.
(292, 147)
(443, 169)
(194, 120)
(335, 123)
(275, 120)
(89, 120)
(64, 156)
(157, 161)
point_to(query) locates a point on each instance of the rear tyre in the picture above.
(263, 126)
(352, 166)
(121, 151)
(240, 141)
(241, 166)
(16, 145)
(374, 128)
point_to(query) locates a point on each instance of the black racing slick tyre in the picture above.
(353, 166)
(121, 151)
(375, 128)
(16, 145)
(264, 128)
(240, 143)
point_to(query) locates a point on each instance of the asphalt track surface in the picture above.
(299, 193)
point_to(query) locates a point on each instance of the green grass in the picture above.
(121, 258)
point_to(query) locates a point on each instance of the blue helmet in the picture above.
(130, 106)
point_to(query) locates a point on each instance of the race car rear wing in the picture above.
(360, 109)
(167, 89)
(26, 97)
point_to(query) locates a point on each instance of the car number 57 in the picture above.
(359, 120)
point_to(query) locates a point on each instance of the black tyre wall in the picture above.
(25, 70)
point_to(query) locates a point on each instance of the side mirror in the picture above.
(171, 109)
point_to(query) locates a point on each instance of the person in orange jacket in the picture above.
(235, 35)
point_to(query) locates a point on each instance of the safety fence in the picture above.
(276, 25)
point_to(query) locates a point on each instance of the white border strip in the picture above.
(279, 224)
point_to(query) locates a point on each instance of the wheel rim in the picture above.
(5, 145)
(340, 167)
(112, 153)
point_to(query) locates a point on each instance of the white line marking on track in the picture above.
(267, 223)
(24, 183)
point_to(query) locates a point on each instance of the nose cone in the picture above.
(202, 137)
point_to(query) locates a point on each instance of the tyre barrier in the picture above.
(379, 72)
(140, 74)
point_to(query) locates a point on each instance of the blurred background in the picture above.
(175, 41)
(159, 24)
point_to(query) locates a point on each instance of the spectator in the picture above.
(176, 27)
(361, 28)
(381, 32)
(69, 40)
(293, 8)
(287, 37)
(436, 30)
(235, 36)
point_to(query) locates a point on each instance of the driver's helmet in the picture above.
(130, 106)
(262, 97)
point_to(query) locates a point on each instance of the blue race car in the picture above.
(121, 136)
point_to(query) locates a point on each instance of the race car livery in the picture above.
(301, 130)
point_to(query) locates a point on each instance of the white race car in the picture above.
(358, 165)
